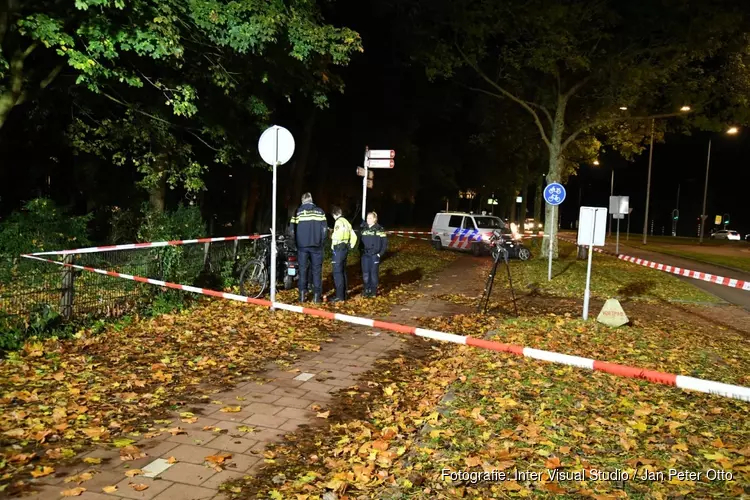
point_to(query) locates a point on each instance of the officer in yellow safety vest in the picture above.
(343, 239)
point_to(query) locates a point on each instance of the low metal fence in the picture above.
(27, 286)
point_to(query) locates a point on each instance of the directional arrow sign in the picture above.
(380, 163)
(369, 183)
(381, 153)
(361, 173)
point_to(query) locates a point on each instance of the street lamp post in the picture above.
(648, 182)
(731, 131)
(705, 193)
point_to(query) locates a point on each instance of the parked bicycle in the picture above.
(254, 276)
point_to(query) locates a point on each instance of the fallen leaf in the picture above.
(552, 463)
(41, 472)
(109, 489)
(139, 487)
(323, 414)
(133, 472)
(171, 460)
(231, 409)
(92, 460)
(176, 431)
(219, 458)
(75, 492)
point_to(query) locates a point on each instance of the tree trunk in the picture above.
(299, 169)
(538, 204)
(251, 203)
(157, 194)
(554, 174)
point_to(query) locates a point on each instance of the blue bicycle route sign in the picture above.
(554, 193)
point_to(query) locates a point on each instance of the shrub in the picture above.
(39, 226)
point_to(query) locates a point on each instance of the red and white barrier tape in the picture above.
(413, 237)
(696, 384)
(408, 232)
(711, 278)
(131, 246)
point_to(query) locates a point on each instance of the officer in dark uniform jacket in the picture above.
(310, 229)
(374, 245)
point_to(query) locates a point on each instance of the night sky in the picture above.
(680, 160)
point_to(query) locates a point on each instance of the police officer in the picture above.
(343, 239)
(310, 228)
(374, 245)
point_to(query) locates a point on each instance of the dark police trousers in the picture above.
(305, 255)
(339, 271)
(370, 267)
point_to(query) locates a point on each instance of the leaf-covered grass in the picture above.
(610, 277)
(392, 438)
(57, 397)
(742, 263)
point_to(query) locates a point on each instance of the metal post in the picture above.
(272, 277)
(705, 193)
(617, 244)
(364, 188)
(648, 183)
(549, 250)
(68, 288)
(627, 236)
(587, 293)
(611, 193)
(652, 227)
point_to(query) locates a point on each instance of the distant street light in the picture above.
(596, 162)
(685, 108)
(730, 131)
(623, 108)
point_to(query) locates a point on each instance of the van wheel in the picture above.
(524, 253)
(476, 250)
(437, 244)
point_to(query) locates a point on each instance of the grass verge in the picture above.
(610, 277)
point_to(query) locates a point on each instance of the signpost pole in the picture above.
(587, 292)
(272, 277)
(364, 188)
(549, 252)
(617, 245)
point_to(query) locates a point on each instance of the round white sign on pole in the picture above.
(267, 145)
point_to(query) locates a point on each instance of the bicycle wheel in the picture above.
(253, 279)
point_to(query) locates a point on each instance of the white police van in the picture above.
(465, 231)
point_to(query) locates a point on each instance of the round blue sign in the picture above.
(554, 193)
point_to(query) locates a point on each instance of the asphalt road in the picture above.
(732, 295)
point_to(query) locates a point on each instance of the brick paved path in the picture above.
(268, 410)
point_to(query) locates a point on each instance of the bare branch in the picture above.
(544, 110)
(507, 94)
(575, 88)
(596, 123)
(118, 101)
(51, 76)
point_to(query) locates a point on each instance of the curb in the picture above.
(683, 382)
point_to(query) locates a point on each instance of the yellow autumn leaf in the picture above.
(75, 492)
(231, 409)
(41, 472)
(109, 489)
(324, 414)
(92, 460)
(133, 472)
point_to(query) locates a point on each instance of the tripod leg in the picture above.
(510, 280)
(484, 301)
